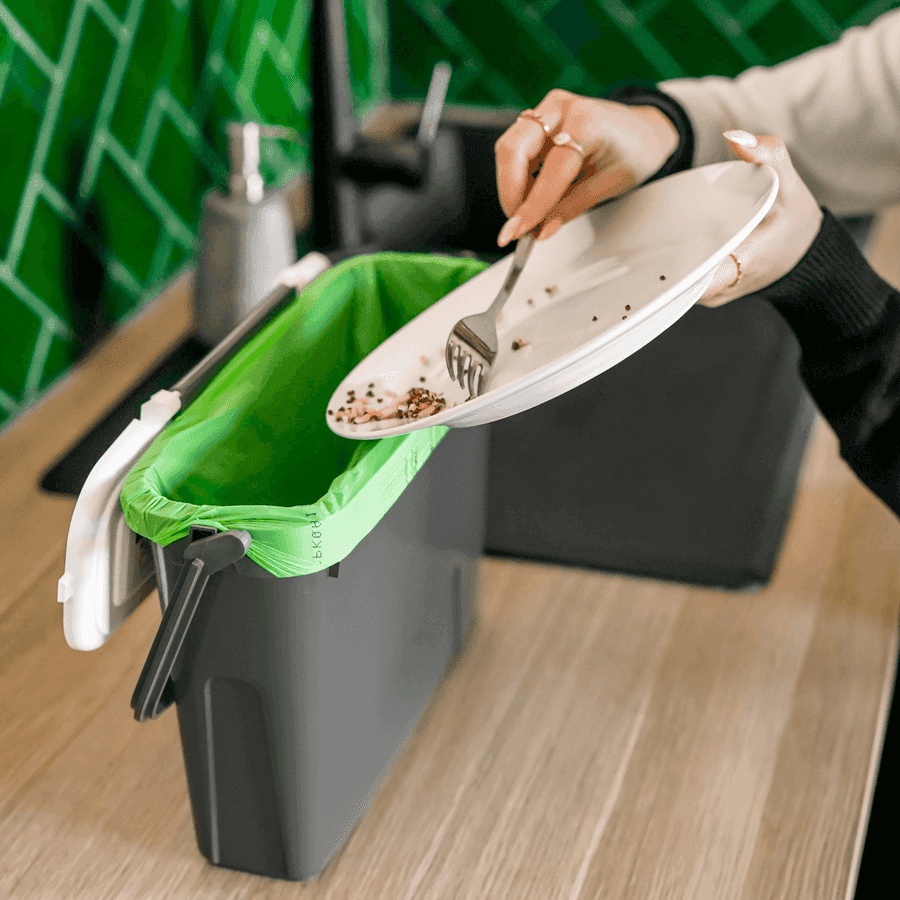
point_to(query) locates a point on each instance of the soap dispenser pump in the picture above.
(246, 237)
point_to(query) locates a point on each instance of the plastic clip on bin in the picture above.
(295, 689)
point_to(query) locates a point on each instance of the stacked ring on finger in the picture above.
(740, 272)
(564, 139)
(532, 116)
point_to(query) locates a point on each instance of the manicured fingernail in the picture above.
(744, 138)
(508, 231)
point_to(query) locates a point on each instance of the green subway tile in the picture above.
(24, 79)
(46, 22)
(21, 111)
(19, 330)
(479, 93)
(280, 16)
(188, 67)
(518, 56)
(129, 227)
(783, 33)
(118, 302)
(222, 110)
(692, 40)
(146, 69)
(62, 354)
(178, 256)
(240, 32)
(367, 53)
(841, 10)
(414, 51)
(176, 172)
(47, 260)
(603, 50)
(733, 7)
(271, 95)
(119, 7)
(78, 113)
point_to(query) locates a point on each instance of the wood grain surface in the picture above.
(600, 736)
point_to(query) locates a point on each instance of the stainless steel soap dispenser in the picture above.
(246, 237)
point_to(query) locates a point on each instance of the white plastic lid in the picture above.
(108, 572)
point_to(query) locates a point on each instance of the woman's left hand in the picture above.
(781, 240)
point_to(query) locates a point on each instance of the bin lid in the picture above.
(108, 570)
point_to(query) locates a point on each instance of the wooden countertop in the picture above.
(602, 736)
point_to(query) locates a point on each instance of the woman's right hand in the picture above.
(623, 147)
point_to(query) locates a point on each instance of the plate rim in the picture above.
(448, 417)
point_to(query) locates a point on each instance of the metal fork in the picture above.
(472, 345)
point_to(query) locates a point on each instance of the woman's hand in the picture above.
(623, 146)
(781, 240)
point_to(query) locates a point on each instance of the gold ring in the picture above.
(564, 139)
(532, 116)
(740, 272)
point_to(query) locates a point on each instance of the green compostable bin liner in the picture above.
(253, 451)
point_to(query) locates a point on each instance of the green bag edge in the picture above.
(313, 537)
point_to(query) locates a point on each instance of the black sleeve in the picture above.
(847, 321)
(641, 93)
(845, 317)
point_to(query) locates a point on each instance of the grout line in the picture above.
(179, 283)
(735, 34)
(150, 132)
(161, 255)
(7, 403)
(111, 92)
(59, 81)
(865, 15)
(122, 275)
(819, 19)
(38, 361)
(24, 40)
(6, 62)
(215, 60)
(626, 21)
(57, 201)
(162, 96)
(152, 196)
(26, 296)
(102, 11)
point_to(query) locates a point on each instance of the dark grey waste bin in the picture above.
(680, 463)
(294, 695)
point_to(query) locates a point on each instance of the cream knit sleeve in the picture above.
(837, 108)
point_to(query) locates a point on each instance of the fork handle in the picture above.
(523, 250)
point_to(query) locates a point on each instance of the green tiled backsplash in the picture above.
(112, 114)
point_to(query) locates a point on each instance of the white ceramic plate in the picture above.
(605, 285)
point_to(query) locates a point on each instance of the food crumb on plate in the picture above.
(627, 307)
(417, 403)
(551, 290)
(594, 319)
(519, 344)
